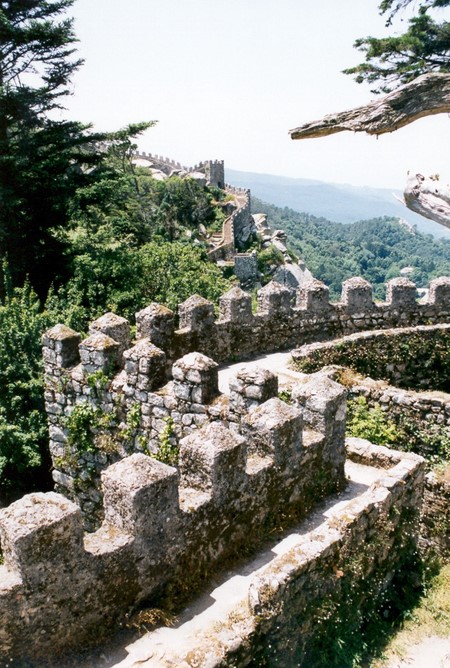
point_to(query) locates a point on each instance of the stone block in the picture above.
(324, 410)
(141, 498)
(236, 306)
(212, 461)
(439, 293)
(63, 342)
(156, 323)
(149, 362)
(314, 296)
(401, 293)
(196, 378)
(98, 352)
(251, 387)
(357, 295)
(116, 327)
(274, 299)
(274, 430)
(196, 313)
(41, 533)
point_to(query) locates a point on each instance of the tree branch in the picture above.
(427, 95)
(426, 197)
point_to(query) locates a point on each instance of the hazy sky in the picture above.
(228, 78)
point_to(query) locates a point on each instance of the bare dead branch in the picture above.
(427, 95)
(428, 198)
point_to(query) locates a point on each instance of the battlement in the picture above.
(231, 487)
(107, 397)
(279, 322)
(214, 170)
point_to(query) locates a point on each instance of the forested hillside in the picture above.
(375, 249)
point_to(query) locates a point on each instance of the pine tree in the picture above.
(394, 61)
(41, 160)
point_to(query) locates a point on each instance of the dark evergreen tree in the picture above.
(41, 160)
(393, 61)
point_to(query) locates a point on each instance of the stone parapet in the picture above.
(117, 401)
(291, 601)
(394, 355)
(159, 522)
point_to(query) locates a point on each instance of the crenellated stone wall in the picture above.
(59, 587)
(279, 324)
(214, 170)
(99, 413)
(107, 398)
(293, 607)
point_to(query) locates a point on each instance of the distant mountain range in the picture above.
(336, 202)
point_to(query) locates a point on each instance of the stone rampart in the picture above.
(425, 411)
(214, 170)
(107, 398)
(423, 422)
(290, 610)
(278, 323)
(59, 586)
(99, 412)
(166, 165)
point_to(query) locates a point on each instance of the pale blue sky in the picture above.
(228, 78)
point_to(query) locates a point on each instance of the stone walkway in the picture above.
(276, 362)
(165, 646)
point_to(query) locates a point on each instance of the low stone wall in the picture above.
(435, 519)
(424, 419)
(297, 603)
(427, 412)
(60, 587)
(407, 357)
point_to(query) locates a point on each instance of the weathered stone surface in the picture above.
(155, 322)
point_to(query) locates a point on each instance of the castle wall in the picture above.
(427, 411)
(277, 324)
(426, 415)
(295, 605)
(59, 587)
(106, 399)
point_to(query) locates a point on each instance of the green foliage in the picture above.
(370, 423)
(396, 60)
(429, 440)
(374, 249)
(167, 450)
(125, 280)
(268, 258)
(133, 422)
(41, 160)
(399, 431)
(98, 381)
(81, 424)
(23, 427)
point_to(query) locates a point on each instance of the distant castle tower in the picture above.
(215, 173)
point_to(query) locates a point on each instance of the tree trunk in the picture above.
(427, 95)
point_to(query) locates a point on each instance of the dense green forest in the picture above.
(375, 249)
